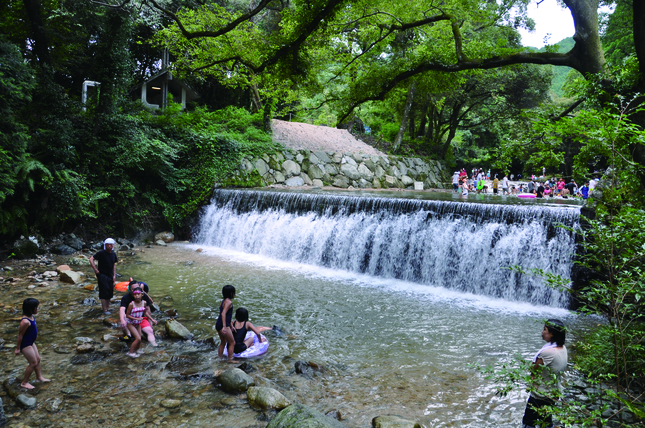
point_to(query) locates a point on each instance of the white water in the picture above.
(462, 247)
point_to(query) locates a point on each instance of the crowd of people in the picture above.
(541, 187)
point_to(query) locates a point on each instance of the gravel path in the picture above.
(296, 136)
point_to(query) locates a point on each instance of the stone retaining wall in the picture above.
(317, 168)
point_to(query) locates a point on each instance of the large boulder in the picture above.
(266, 398)
(294, 181)
(279, 177)
(365, 172)
(301, 416)
(72, 241)
(393, 421)
(71, 277)
(166, 237)
(25, 248)
(341, 181)
(64, 250)
(350, 171)
(290, 168)
(177, 331)
(316, 172)
(261, 166)
(235, 381)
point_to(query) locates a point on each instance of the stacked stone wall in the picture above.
(357, 170)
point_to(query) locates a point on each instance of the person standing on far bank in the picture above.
(106, 272)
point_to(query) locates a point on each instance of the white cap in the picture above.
(108, 241)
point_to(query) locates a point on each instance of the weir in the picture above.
(459, 246)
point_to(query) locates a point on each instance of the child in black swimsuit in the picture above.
(223, 324)
(27, 334)
(241, 326)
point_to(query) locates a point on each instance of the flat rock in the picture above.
(26, 401)
(61, 268)
(71, 277)
(266, 398)
(393, 421)
(85, 348)
(169, 403)
(175, 330)
(90, 287)
(301, 416)
(161, 243)
(235, 381)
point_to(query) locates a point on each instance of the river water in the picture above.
(387, 341)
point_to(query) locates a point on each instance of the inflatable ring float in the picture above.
(121, 286)
(258, 348)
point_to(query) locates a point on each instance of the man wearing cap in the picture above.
(106, 272)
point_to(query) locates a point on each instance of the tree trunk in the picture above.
(412, 128)
(41, 44)
(424, 118)
(587, 55)
(453, 125)
(267, 117)
(255, 98)
(404, 119)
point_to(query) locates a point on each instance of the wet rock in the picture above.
(81, 339)
(55, 405)
(71, 277)
(63, 350)
(26, 401)
(303, 368)
(90, 301)
(166, 237)
(301, 416)
(3, 418)
(335, 414)
(235, 381)
(169, 403)
(393, 421)
(247, 367)
(7, 268)
(199, 250)
(177, 331)
(110, 338)
(90, 287)
(93, 357)
(172, 313)
(181, 364)
(25, 248)
(85, 348)
(161, 243)
(70, 392)
(61, 268)
(64, 250)
(50, 273)
(266, 398)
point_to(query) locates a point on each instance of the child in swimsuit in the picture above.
(135, 314)
(223, 324)
(27, 334)
(242, 325)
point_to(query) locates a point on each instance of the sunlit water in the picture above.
(386, 345)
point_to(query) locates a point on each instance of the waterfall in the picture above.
(457, 245)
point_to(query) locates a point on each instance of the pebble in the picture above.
(169, 403)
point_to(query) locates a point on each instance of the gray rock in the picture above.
(269, 178)
(316, 172)
(55, 405)
(317, 183)
(266, 398)
(261, 166)
(161, 243)
(71, 277)
(363, 184)
(393, 421)
(279, 177)
(166, 237)
(341, 181)
(322, 157)
(306, 179)
(407, 181)
(177, 331)
(358, 157)
(3, 418)
(313, 159)
(290, 168)
(287, 155)
(246, 165)
(350, 171)
(26, 401)
(235, 381)
(72, 241)
(81, 339)
(331, 169)
(294, 181)
(371, 165)
(394, 171)
(379, 172)
(25, 248)
(299, 158)
(348, 160)
(63, 250)
(301, 416)
(303, 368)
(365, 172)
